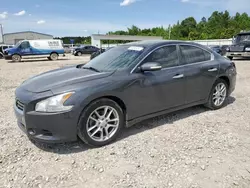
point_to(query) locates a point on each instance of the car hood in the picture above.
(60, 77)
(9, 49)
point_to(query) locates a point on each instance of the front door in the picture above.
(155, 91)
(25, 49)
(200, 72)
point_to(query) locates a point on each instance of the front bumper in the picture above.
(45, 127)
(238, 54)
(8, 57)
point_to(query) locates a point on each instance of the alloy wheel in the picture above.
(219, 94)
(103, 123)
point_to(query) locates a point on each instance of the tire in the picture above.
(230, 57)
(16, 58)
(97, 134)
(53, 56)
(1, 56)
(79, 53)
(223, 95)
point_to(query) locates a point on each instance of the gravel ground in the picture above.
(189, 148)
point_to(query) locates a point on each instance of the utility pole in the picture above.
(169, 31)
(1, 30)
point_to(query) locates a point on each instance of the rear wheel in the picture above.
(16, 58)
(101, 122)
(218, 95)
(53, 56)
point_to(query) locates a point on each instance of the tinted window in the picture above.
(5, 47)
(207, 55)
(167, 56)
(25, 45)
(191, 54)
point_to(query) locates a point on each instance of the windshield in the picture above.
(115, 59)
(17, 44)
(242, 38)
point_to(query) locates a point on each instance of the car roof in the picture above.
(244, 33)
(150, 44)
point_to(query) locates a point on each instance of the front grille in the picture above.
(19, 105)
(237, 48)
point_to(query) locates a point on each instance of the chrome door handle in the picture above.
(212, 70)
(178, 76)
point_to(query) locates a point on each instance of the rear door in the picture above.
(201, 71)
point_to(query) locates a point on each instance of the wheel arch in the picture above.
(54, 52)
(116, 99)
(226, 79)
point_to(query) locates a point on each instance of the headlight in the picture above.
(54, 104)
(247, 49)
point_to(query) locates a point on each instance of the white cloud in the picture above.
(3, 15)
(127, 2)
(41, 22)
(21, 13)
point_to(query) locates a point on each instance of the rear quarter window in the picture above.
(192, 54)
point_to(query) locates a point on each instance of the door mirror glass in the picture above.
(151, 66)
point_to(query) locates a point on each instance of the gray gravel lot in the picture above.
(189, 148)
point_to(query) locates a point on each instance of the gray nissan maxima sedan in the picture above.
(121, 87)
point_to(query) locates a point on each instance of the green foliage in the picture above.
(220, 25)
(77, 40)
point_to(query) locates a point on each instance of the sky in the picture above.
(86, 17)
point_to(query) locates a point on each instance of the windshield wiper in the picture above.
(91, 68)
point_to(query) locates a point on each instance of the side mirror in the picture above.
(151, 66)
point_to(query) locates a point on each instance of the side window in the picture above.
(25, 45)
(207, 55)
(192, 54)
(167, 56)
(5, 47)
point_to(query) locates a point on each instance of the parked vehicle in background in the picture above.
(85, 50)
(2, 48)
(224, 49)
(216, 49)
(67, 50)
(95, 54)
(240, 46)
(123, 86)
(27, 49)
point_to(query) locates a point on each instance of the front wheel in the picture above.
(79, 53)
(16, 58)
(101, 122)
(218, 95)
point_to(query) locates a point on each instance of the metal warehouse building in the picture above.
(13, 38)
